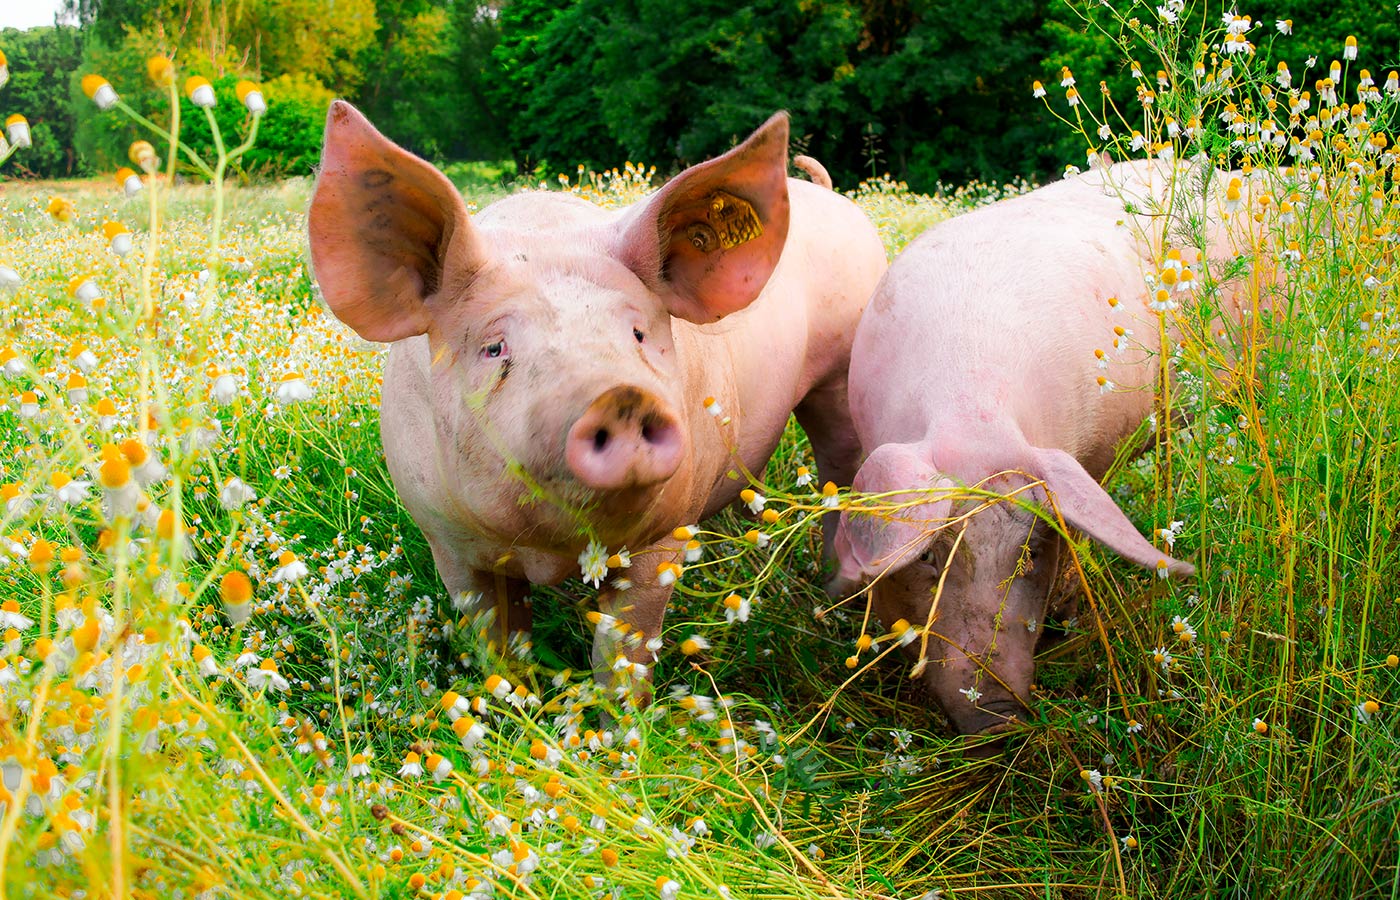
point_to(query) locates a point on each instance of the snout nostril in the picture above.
(600, 439)
(647, 433)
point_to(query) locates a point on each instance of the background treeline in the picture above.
(928, 90)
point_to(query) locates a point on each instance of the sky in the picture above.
(27, 13)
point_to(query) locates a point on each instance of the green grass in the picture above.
(165, 781)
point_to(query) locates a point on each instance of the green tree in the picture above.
(41, 61)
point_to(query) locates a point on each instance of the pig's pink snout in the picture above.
(626, 438)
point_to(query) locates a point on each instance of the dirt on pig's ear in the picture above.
(707, 242)
(387, 231)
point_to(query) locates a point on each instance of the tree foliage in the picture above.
(927, 90)
(41, 61)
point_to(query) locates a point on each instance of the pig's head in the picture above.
(997, 561)
(549, 321)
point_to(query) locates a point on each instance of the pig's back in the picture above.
(992, 318)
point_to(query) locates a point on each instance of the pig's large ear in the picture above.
(869, 544)
(708, 240)
(387, 230)
(1086, 506)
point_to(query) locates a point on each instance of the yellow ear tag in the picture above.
(734, 220)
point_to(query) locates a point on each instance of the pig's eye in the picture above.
(494, 350)
(637, 333)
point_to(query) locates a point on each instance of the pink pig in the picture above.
(976, 364)
(557, 367)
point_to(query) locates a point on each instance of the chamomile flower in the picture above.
(1162, 657)
(1284, 26)
(736, 609)
(28, 403)
(200, 91)
(971, 693)
(668, 573)
(69, 490)
(1093, 779)
(830, 498)
(593, 562)
(713, 407)
(412, 766)
(120, 491)
(130, 182)
(76, 389)
(17, 127)
(498, 687)
(469, 731)
(359, 765)
(292, 388)
(1259, 726)
(11, 617)
(145, 466)
(224, 390)
(289, 568)
(118, 237)
(236, 494)
(1349, 48)
(85, 290)
(1037, 90)
(99, 91)
(667, 888)
(804, 476)
(1367, 710)
(204, 661)
(753, 500)
(235, 590)
(438, 765)
(694, 644)
(250, 95)
(267, 676)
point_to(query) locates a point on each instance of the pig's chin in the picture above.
(622, 517)
(626, 516)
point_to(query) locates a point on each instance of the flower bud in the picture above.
(144, 155)
(161, 70)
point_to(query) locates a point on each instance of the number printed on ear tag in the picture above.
(734, 220)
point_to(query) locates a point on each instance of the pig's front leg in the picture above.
(825, 416)
(476, 591)
(641, 608)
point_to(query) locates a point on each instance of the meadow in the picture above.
(229, 670)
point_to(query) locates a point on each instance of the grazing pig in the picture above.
(558, 369)
(978, 363)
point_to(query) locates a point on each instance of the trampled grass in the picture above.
(321, 723)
